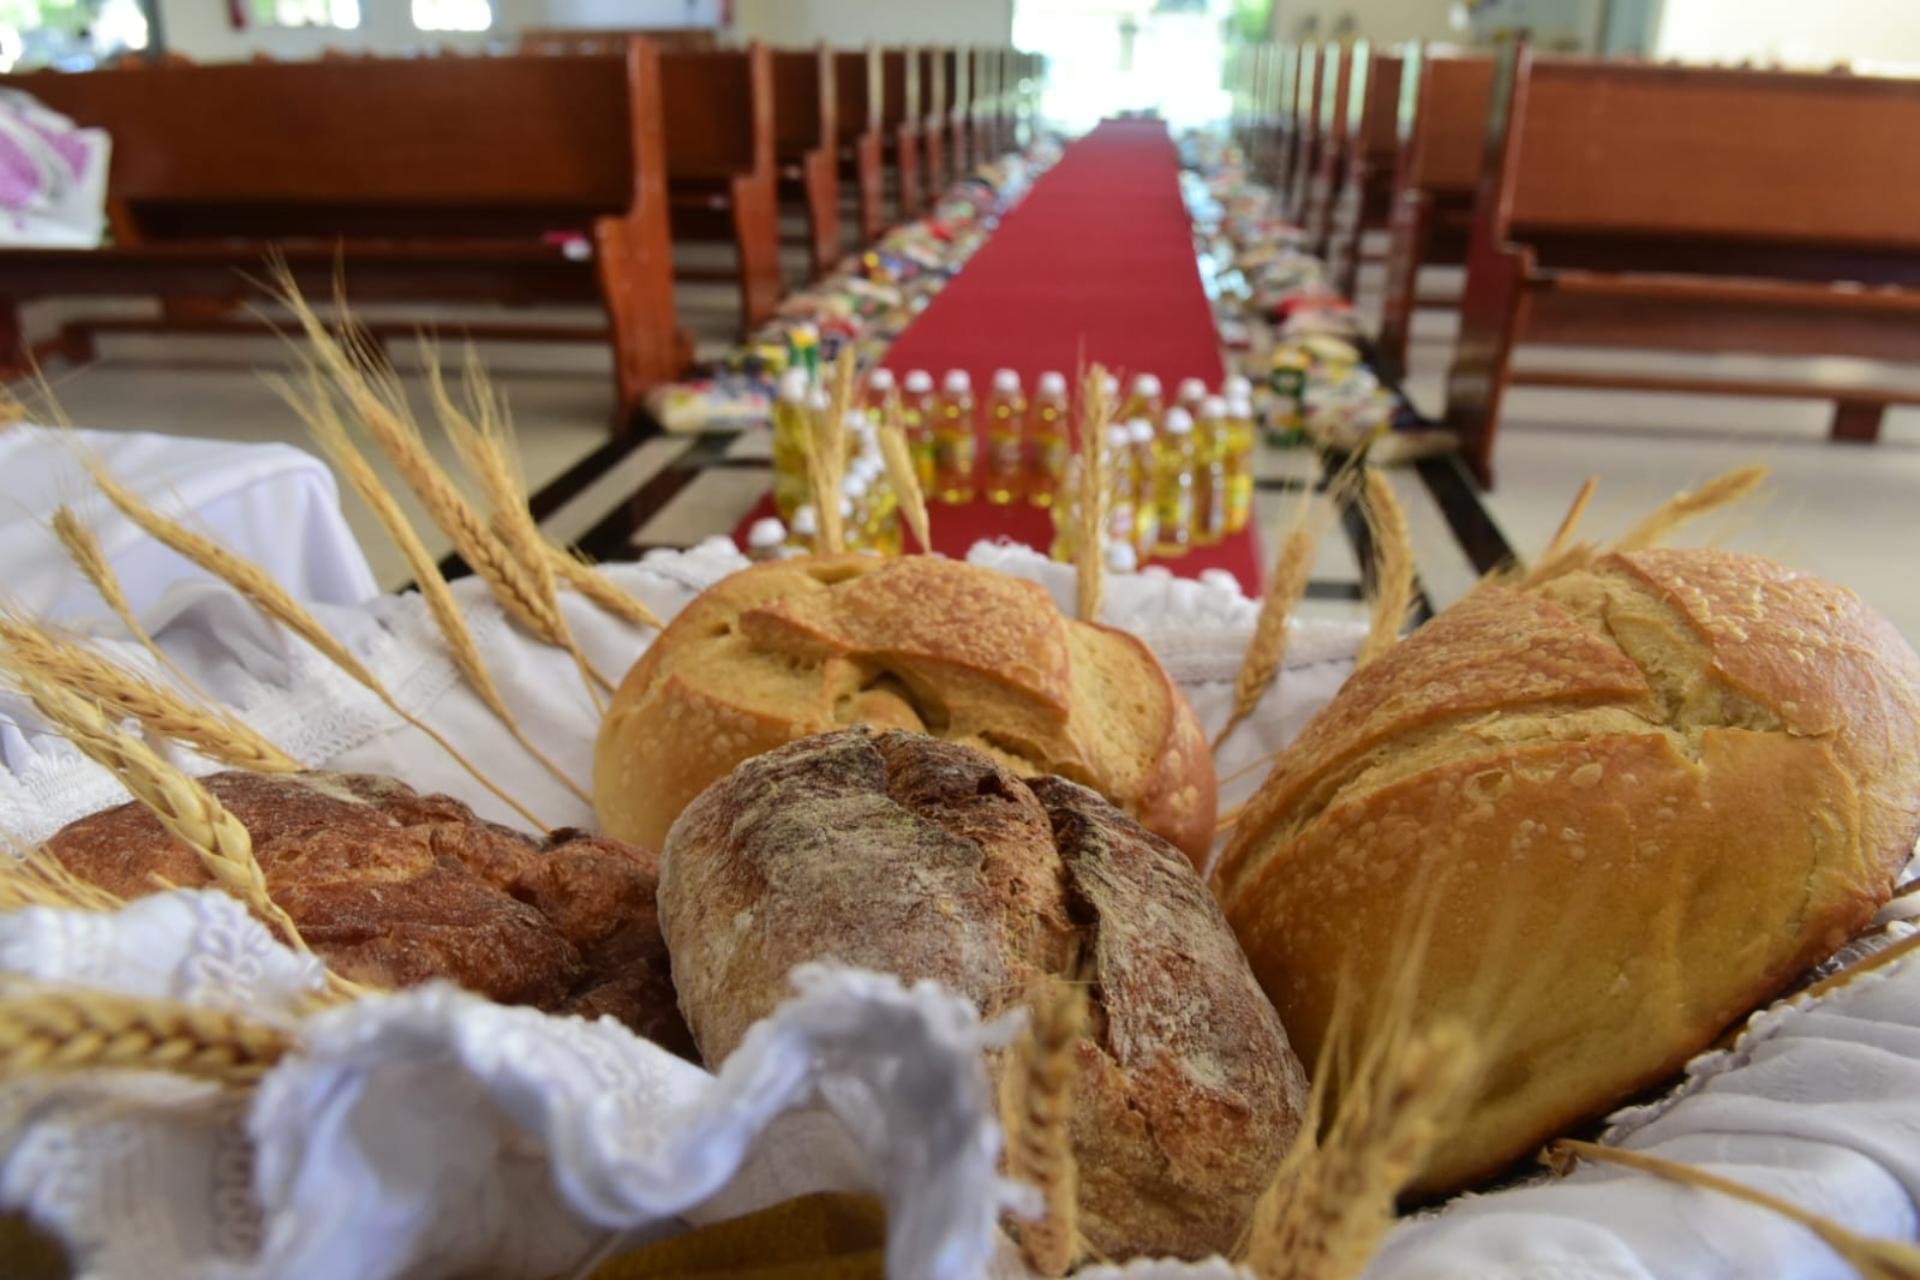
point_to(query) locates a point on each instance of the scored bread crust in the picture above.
(1630, 807)
(784, 650)
(907, 855)
(393, 888)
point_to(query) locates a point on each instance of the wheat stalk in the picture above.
(317, 409)
(900, 470)
(27, 646)
(1090, 550)
(1037, 1102)
(1286, 585)
(1392, 568)
(586, 578)
(479, 436)
(1676, 511)
(1873, 1259)
(273, 600)
(84, 550)
(48, 1029)
(33, 877)
(827, 458)
(188, 811)
(1561, 554)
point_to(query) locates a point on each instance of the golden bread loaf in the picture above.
(1637, 801)
(784, 650)
(903, 854)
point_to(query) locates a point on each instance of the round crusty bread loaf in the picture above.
(1638, 802)
(395, 888)
(907, 855)
(781, 651)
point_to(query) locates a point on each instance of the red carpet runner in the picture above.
(1096, 264)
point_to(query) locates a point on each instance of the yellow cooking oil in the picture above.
(790, 425)
(1146, 517)
(1238, 460)
(1006, 439)
(919, 411)
(954, 439)
(1210, 472)
(1047, 445)
(1173, 464)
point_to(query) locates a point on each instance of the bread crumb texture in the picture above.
(1637, 803)
(781, 651)
(928, 860)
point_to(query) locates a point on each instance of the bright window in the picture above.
(452, 15)
(343, 14)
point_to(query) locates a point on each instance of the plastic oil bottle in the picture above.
(790, 424)
(954, 441)
(1191, 395)
(1146, 516)
(880, 388)
(919, 410)
(803, 531)
(880, 526)
(1173, 465)
(767, 539)
(1210, 472)
(1047, 444)
(1066, 515)
(1239, 462)
(1006, 439)
(1145, 401)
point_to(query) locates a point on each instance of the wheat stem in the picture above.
(272, 599)
(1873, 1259)
(1392, 567)
(27, 646)
(1038, 1100)
(316, 407)
(1286, 585)
(48, 1029)
(85, 551)
(1676, 511)
(1090, 550)
(33, 877)
(587, 579)
(898, 455)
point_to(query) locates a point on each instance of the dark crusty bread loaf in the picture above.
(395, 888)
(1638, 800)
(900, 853)
(781, 651)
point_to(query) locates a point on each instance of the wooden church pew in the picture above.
(1692, 209)
(375, 165)
(857, 113)
(957, 64)
(900, 119)
(806, 141)
(1442, 130)
(1304, 145)
(1365, 202)
(1340, 67)
(934, 105)
(984, 112)
(721, 173)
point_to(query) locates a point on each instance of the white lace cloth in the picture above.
(429, 1133)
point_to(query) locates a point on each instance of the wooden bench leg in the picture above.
(1409, 225)
(820, 172)
(1857, 421)
(633, 256)
(872, 217)
(908, 151)
(1493, 316)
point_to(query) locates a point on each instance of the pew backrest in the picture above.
(719, 112)
(900, 99)
(805, 101)
(858, 93)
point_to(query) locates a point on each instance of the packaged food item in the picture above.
(955, 440)
(1048, 447)
(1006, 443)
(1287, 379)
(1173, 488)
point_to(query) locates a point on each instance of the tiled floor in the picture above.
(1850, 513)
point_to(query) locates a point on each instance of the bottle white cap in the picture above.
(1122, 558)
(819, 400)
(854, 487)
(1006, 381)
(1118, 435)
(846, 508)
(1240, 407)
(880, 380)
(1213, 407)
(1053, 383)
(793, 386)
(768, 533)
(1146, 385)
(1179, 422)
(958, 381)
(1112, 385)
(1141, 431)
(1236, 385)
(919, 381)
(1192, 389)
(806, 521)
